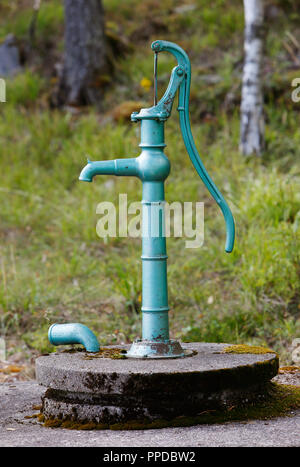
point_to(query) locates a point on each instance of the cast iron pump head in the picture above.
(152, 167)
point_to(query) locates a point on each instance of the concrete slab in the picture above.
(89, 388)
(17, 401)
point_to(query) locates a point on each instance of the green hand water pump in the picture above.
(152, 167)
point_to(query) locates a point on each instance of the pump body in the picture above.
(152, 167)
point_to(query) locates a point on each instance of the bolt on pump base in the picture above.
(152, 167)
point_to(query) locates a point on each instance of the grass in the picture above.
(54, 268)
(16, 19)
(24, 89)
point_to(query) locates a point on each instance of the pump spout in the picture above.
(121, 167)
(73, 333)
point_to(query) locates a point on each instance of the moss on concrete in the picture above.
(241, 348)
(104, 352)
(280, 400)
(41, 417)
(289, 369)
(114, 353)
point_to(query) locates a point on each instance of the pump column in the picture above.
(154, 265)
(154, 258)
(153, 169)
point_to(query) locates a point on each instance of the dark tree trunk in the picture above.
(85, 57)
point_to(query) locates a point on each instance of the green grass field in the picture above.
(54, 267)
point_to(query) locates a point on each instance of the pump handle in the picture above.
(183, 108)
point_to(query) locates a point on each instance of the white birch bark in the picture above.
(252, 118)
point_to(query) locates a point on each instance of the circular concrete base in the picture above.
(83, 387)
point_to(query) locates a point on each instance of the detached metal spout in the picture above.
(112, 167)
(73, 333)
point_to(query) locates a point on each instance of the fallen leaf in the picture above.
(11, 369)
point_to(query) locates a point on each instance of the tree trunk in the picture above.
(252, 118)
(84, 58)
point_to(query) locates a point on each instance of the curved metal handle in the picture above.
(183, 108)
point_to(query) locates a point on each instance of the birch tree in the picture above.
(85, 54)
(252, 118)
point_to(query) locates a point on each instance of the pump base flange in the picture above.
(142, 348)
